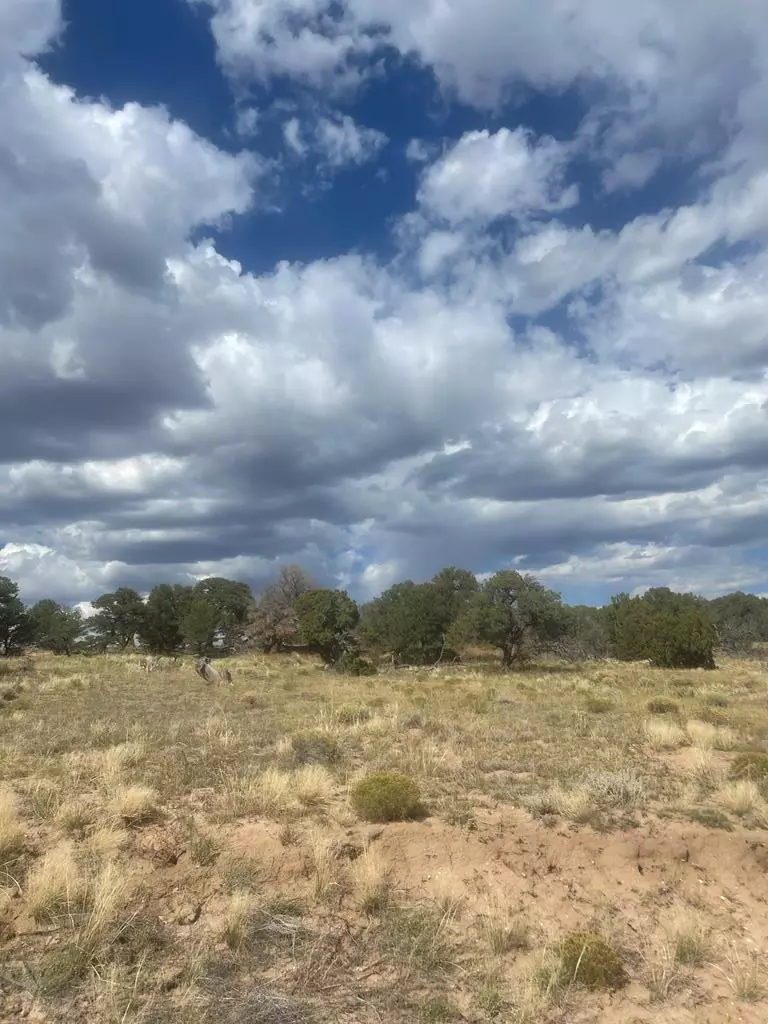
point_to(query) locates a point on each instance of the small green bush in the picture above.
(386, 796)
(598, 705)
(587, 959)
(670, 630)
(751, 765)
(663, 706)
(352, 664)
(314, 747)
(711, 817)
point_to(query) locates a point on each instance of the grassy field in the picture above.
(593, 844)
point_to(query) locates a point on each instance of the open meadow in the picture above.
(589, 844)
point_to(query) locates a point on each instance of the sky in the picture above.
(381, 286)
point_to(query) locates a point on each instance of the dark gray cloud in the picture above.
(520, 468)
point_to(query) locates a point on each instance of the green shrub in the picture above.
(587, 959)
(711, 817)
(387, 796)
(326, 620)
(663, 706)
(352, 664)
(751, 765)
(670, 630)
(314, 747)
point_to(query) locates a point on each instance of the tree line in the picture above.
(409, 624)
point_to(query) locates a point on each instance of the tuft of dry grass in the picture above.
(43, 798)
(312, 785)
(75, 815)
(11, 831)
(271, 793)
(572, 804)
(105, 843)
(503, 931)
(662, 970)
(323, 866)
(704, 770)
(664, 735)
(203, 846)
(135, 805)
(114, 762)
(535, 991)
(238, 919)
(690, 937)
(55, 885)
(417, 940)
(744, 973)
(711, 737)
(742, 797)
(371, 881)
(449, 894)
(105, 899)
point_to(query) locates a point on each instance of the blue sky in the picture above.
(383, 287)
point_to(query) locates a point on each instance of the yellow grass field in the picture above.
(171, 852)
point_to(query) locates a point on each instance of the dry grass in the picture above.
(11, 830)
(238, 919)
(372, 882)
(704, 770)
(711, 737)
(55, 885)
(135, 805)
(278, 887)
(621, 788)
(664, 735)
(73, 816)
(312, 785)
(742, 797)
(502, 930)
(745, 973)
(573, 804)
(43, 799)
(276, 793)
(661, 969)
(323, 866)
(99, 927)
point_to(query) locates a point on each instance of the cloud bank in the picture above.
(518, 385)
